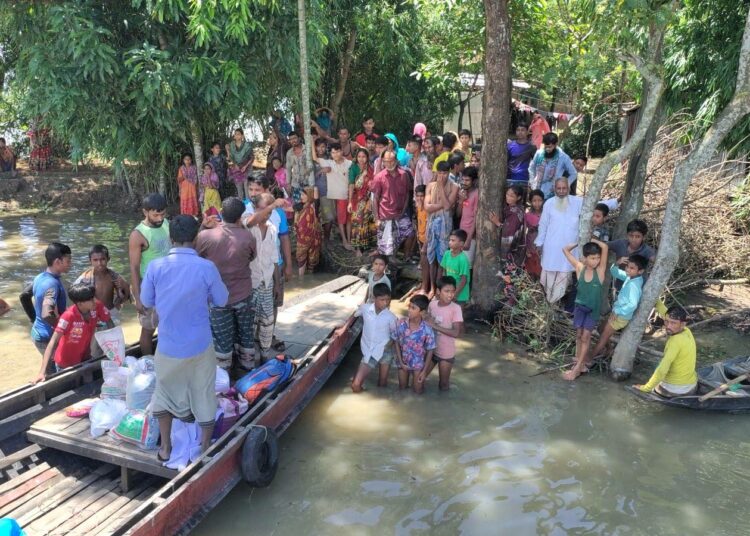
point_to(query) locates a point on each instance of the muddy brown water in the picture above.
(501, 453)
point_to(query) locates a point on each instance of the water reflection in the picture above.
(502, 453)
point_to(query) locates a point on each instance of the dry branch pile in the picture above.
(533, 323)
(712, 242)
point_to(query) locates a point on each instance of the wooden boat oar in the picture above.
(723, 387)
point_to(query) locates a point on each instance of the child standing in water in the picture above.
(414, 342)
(590, 272)
(378, 324)
(446, 318)
(533, 264)
(309, 233)
(210, 198)
(377, 275)
(187, 179)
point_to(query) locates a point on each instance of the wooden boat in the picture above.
(709, 378)
(55, 478)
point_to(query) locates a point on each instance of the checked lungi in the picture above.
(230, 325)
(264, 322)
(392, 233)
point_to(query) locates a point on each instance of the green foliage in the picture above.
(126, 79)
(606, 138)
(383, 79)
(701, 59)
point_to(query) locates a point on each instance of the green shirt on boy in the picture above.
(456, 266)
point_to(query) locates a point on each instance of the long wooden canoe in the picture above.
(709, 378)
(65, 482)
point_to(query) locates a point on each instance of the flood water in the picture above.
(501, 453)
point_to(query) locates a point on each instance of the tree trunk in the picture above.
(635, 182)
(195, 135)
(668, 253)
(654, 86)
(304, 78)
(461, 108)
(163, 175)
(344, 75)
(492, 175)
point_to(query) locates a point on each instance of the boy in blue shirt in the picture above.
(626, 303)
(48, 294)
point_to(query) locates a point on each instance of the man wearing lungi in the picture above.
(390, 200)
(182, 286)
(558, 227)
(231, 248)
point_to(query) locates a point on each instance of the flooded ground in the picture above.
(501, 453)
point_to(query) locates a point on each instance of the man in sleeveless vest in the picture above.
(148, 241)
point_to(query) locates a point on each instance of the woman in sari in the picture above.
(210, 198)
(187, 180)
(277, 148)
(364, 232)
(309, 233)
(240, 155)
(511, 246)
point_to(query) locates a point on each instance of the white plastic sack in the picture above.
(222, 380)
(106, 414)
(141, 382)
(115, 380)
(112, 343)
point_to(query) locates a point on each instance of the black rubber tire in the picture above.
(260, 457)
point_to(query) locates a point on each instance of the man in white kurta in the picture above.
(558, 227)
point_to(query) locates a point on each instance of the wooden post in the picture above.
(305, 82)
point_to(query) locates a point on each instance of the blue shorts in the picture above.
(583, 319)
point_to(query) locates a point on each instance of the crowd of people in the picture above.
(212, 278)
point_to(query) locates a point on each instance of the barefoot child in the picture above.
(187, 180)
(446, 318)
(419, 195)
(377, 275)
(378, 324)
(209, 192)
(414, 342)
(590, 272)
(309, 234)
(455, 263)
(71, 341)
(532, 263)
(626, 303)
(110, 288)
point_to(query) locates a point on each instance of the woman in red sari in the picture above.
(309, 233)
(187, 179)
(364, 232)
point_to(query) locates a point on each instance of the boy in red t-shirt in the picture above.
(71, 341)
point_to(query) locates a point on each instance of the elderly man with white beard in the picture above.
(558, 227)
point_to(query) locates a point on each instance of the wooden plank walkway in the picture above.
(301, 326)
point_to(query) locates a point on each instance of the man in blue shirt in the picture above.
(181, 286)
(520, 153)
(48, 295)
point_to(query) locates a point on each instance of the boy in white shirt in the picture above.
(376, 345)
(264, 271)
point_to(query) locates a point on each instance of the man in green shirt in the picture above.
(148, 241)
(455, 263)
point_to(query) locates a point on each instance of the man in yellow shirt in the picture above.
(675, 375)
